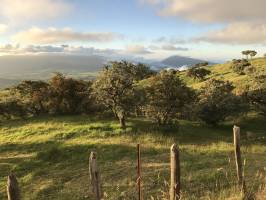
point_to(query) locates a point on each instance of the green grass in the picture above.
(49, 155)
(225, 72)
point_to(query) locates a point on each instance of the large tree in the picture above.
(217, 101)
(166, 96)
(198, 73)
(34, 94)
(114, 89)
(67, 95)
(257, 93)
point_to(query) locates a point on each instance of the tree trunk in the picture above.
(122, 121)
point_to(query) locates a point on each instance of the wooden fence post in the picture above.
(95, 176)
(239, 168)
(13, 192)
(175, 173)
(139, 173)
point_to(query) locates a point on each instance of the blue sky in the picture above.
(151, 29)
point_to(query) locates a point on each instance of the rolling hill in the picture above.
(225, 72)
(15, 68)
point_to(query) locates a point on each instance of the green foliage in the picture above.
(198, 73)
(68, 95)
(114, 89)
(141, 71)
(217, 101)
(34, 94)
(12, 108)
(166, 96)
(257, 93)
(250, 53)
(239, 66)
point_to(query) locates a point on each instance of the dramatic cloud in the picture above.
(137, 49)
(53, 35)
(237, 33)
(212, 10)
(3, 28)
(20, 10)
(243, 20)
(10, 49)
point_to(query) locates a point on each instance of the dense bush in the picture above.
(166, 96)
(217, 101)
(198, 73)
(240, 66)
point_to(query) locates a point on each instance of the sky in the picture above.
(151, 29)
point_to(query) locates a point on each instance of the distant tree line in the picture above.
(134, 90)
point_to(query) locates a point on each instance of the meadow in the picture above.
(49, 156)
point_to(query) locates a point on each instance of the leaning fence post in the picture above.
(95, 176)
(239, 168)
(175, 173)
(139, 172)
(13, 192)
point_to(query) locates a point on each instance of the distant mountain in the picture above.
(15, 68)
(40, 67)
(179, 61)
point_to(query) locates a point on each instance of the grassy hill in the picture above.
(50, 157)
(225, 72)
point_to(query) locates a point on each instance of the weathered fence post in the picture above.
(175, 173)
(13, 192)
(139, 173)
(95, 176)
(239, 168)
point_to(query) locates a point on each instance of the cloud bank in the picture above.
(243, 21)
(21, 10)
(53, 35)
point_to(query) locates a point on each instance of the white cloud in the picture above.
(169, 47)
(21, 10)
(3, 28)
(243, 20)
(237, 33)
(10, 49)
(137, 49)
(54, 35)
(212, 10)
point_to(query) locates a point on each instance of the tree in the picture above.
(198, 73)
(217, 101)
(67, 95)
(114, 89)
(12, 108)
(166, 96)
(141, 71)
(34, 94)
(252, 54)
(246, 53)
(239, 66)
(257, 94)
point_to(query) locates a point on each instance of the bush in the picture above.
(217, 101)
(166, 96)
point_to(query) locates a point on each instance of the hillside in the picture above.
(225, 72)
(50, 157)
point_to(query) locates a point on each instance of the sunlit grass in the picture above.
(50, 157)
